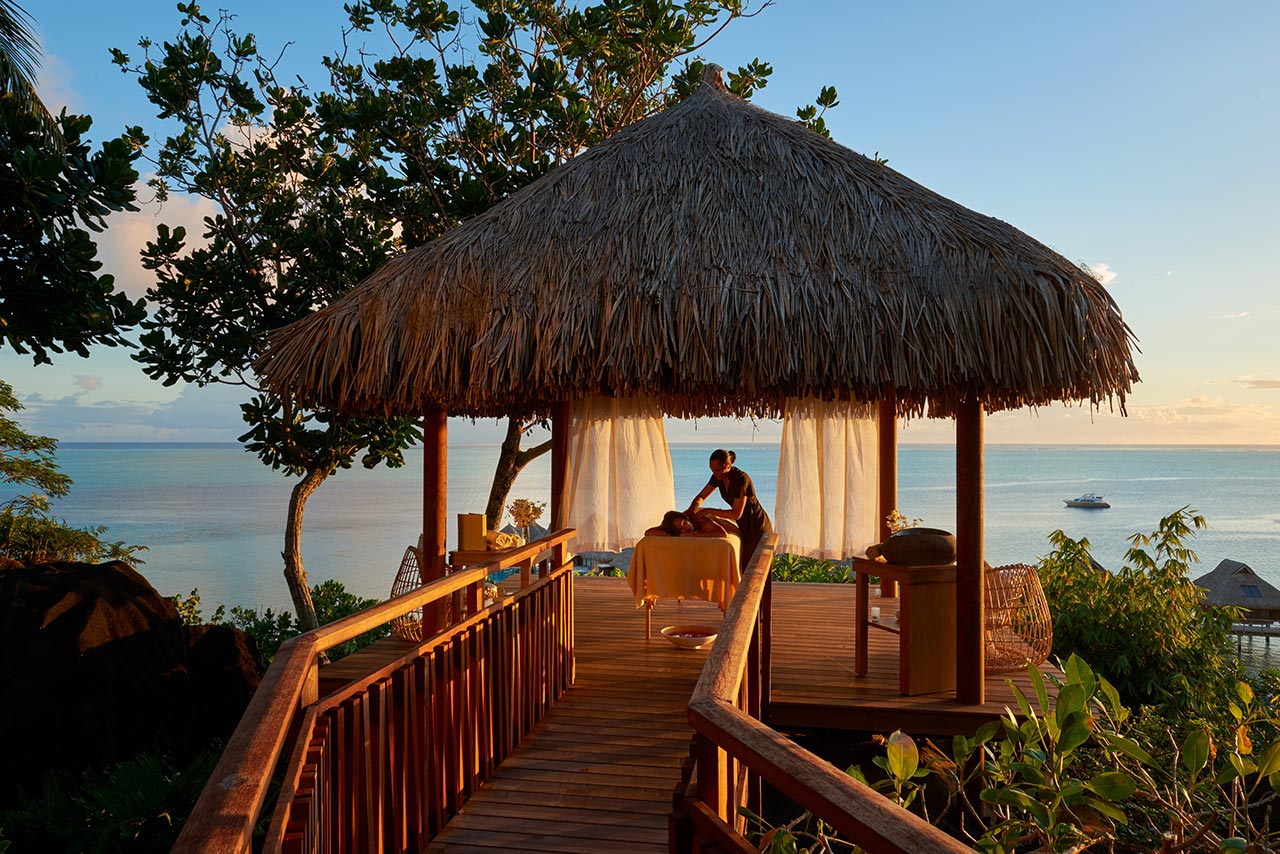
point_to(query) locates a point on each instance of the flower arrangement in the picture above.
(526, 512)
(898, 522)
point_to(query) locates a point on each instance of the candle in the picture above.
(875, 614)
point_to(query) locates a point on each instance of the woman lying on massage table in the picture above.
(678, 524)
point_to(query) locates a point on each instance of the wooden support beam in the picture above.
(887, 440)
(559, 464)
(435, 445)
(970, 617)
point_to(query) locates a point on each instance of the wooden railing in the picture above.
(733, 750)
(385, 761)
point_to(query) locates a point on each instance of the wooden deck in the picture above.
(814, 684)
(600, 770)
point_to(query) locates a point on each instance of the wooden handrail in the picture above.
(861, 814)
(224, 816)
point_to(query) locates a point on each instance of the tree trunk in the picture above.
(294, 574)
(511, 460)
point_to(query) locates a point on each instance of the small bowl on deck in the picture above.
(690, 637)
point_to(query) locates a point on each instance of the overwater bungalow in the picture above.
(1234, 583)
(715, 259)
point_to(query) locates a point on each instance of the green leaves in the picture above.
(55, 191)
(1112, 785)
(28, 531)
(1195, 750)
(903, 756)
(789, 567)
(812, 117)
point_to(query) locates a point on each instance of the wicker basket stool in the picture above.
(408, 626)
(1019, 628)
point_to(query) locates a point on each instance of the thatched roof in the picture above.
(721, 258)
(1235, 583)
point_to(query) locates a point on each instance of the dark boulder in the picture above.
(225, 671)
(95, 667)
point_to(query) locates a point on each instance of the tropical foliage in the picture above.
(1071, 768)
(270, 629)
(790, 567)
(1146, 627)
(28, 530)
(137, 805)
(19, 59)
(54, 193)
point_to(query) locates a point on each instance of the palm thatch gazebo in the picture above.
(721, 259)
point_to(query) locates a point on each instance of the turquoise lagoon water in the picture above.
(213, 516)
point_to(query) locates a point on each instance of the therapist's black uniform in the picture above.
(754, 522)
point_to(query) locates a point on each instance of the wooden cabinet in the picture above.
(926, 626)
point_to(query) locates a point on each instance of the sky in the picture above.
(1140, 138)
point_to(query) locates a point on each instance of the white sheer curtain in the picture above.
(827, 479)
(619, 478)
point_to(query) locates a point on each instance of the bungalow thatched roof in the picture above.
(1235, 583)
(721, 258)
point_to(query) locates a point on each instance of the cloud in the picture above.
(53, 84)
(1102, 272)
(1236, 316)
(120, 246)
(1212, 419)
(196, 415)
(1195, 420)
(88, 383)
(1251, 382)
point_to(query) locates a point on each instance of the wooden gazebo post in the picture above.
(435, 458)
(887, 444)
(970, 619)
(559, 464)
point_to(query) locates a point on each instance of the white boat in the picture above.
(1087, 500)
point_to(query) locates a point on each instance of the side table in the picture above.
(926, 623)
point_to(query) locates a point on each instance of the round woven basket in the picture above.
(1019, 628)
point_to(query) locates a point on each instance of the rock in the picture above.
(226, 668)
(95, 667)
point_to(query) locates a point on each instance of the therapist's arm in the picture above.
(701, 497)
(733, 514)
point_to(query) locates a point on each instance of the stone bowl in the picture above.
(920, 547)
(690, 637)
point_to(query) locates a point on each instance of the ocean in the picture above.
(212, 516)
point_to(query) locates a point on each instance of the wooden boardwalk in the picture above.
(599, 771)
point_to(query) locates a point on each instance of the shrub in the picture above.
(135, 805)
(34, 537)
(270, 630)
(789, 567)
(1070, 774)
(1074, 770)
(28, 532)
(1147, 627)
